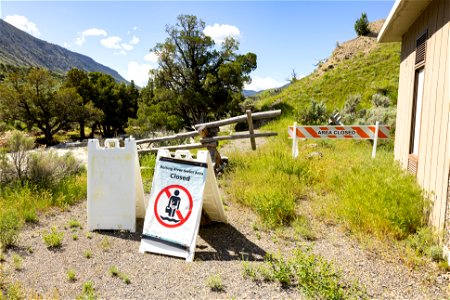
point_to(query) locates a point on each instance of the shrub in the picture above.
(315, 114)
(15, 167)
(362, 25)
(47, 169)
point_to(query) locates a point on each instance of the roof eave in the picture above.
(402, 16)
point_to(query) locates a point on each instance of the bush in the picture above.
(47, 169)
(15, 165)
(362, 25)
(315, 114)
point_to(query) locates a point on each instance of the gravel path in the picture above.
(221, 248)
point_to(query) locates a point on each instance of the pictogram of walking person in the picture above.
(174, 204)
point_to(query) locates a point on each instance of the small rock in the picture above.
(314, 154)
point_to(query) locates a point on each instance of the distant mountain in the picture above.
(19, 48)
(249, 93)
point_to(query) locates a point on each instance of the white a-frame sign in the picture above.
(115, 194)
(181, 187)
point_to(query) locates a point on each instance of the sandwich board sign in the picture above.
(115, 194)
(179, 190)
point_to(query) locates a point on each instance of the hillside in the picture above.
(18, 48)
(359, 66)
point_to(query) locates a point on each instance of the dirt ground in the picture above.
(220, 252)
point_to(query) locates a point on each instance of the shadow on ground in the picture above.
(228, 244)
(224, 242)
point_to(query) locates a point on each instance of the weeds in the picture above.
(310, 273)
(87, 254)
(114, 272)
(105, 244)
(74, 224)
(214, 282)
(17, 262)
(88, 292)
(71, 275)
(53, 239)
(10, 225)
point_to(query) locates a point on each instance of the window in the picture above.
(416, 112)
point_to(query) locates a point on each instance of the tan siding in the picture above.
(442, 162)
(429, 121)
(428, 109)
(437, 177)
(434, 148)
(404, 103)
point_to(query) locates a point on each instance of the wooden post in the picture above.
(250, 128)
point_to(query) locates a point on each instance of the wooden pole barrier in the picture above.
(250, 129)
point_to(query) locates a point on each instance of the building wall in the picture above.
(433, 157)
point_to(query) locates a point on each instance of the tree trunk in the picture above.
(82, 132)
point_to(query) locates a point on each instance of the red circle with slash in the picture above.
(166, 192)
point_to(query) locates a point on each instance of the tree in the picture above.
(118, 102)
(201, 81)
(362, 25)
(35, 100)
(86, 113)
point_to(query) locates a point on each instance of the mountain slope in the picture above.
(360, 66)
(19, 48)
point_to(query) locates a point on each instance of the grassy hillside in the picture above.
(364, 74)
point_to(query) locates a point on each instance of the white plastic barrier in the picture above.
(115, 194)
(181, 187)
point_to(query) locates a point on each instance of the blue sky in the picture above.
(285, 35)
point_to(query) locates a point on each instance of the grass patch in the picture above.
(247, 183)
(71, 275)
(53, 238)
(114, 272)
(88, 291)
(17, 262)
(147, 163)
(87, 254)
(214, 282)
(310, 273)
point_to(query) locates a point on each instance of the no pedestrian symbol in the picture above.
(173, 206)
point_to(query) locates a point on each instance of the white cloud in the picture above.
(23, 24)
(263, 83)
(94, 32)
(138, 73)
(135, 28)
(79, 40)
(152, 58)
(135, 40)
(219, 32)
(127, 47)
(112, 42)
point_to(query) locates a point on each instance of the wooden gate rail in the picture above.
(207, 131)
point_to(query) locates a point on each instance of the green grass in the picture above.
(147, 163)
(310, 273)
(249, 178)
(21, 204)
(214, 282)
(366, 75)
(71, 275)
(53, 238)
